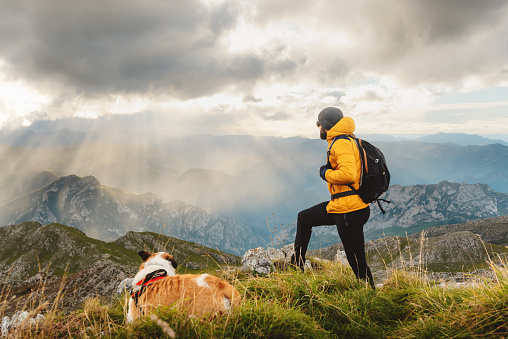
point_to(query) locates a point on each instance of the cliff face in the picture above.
(108, 213)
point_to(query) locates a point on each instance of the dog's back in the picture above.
(195, 294)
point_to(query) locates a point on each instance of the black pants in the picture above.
(350, 228)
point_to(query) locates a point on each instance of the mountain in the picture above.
(415, 208)
(108, 213)
(380, 137)
(460, 139)
(248, 186)
(492, 230)
(27, 248)
(18, 185)
(423, 206)
(132, 167)
(414, 162)
(187, 254)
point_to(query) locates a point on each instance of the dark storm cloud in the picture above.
(416, 41)
(170, 47)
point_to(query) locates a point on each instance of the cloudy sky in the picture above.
(261, 67)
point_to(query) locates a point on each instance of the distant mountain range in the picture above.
(251, 179)
(108, 213)
(418, 207)
(460, 139)
(65, 136)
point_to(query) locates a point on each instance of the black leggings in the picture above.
(350, 228)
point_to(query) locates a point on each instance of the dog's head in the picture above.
(153, 262)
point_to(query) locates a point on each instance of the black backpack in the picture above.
(375, 177)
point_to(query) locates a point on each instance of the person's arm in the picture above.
(345, 173)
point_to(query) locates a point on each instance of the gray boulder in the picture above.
(125, 286)
(260, 260)
(6, 326)
(18, 319)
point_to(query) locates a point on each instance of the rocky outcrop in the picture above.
(98, 280)
(265, 261)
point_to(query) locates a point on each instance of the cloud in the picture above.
(413, 42)
(90, 58)
(278, 116)
(169, 47)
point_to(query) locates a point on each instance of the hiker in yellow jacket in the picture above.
(349, 213)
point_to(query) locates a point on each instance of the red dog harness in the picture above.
(149, 279)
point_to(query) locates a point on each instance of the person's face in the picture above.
(322, 132)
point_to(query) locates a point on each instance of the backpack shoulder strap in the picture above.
(361, 151)
(328, 152)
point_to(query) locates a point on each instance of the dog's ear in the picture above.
(173, 262)
(144, 255)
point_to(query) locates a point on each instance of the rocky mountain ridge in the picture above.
(418, 207)
(108, 213)
(445, 202)
(244, 177)
(444, 254)
(491, 230)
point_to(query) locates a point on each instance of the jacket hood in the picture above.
(346, 125)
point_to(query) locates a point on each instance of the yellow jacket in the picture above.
(346, 168)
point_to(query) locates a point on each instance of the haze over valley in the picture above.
(259, 183)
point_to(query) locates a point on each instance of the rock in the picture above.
(262, 260)
(18, 319)
(257, 260)
(6, 325)
(125, 286)
(193, 265)
(341, 257)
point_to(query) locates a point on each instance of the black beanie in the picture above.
(329, 117)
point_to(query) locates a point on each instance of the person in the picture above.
(349, 213)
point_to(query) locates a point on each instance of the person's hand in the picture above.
(323, 169)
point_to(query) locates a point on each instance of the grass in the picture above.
(325, 303)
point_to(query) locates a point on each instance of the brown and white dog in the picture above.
(157, 285)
